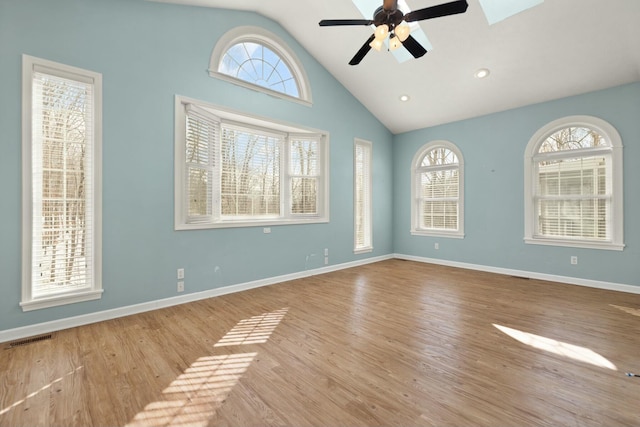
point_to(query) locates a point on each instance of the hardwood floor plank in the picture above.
(390, 343)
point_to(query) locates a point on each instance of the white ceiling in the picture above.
(556, 49)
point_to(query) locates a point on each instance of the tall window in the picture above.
(61, 184)
(362, 158)
(255, 58)
(573, 185)
(234, 170)
(437, 188)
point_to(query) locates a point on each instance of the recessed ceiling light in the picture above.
(482, 73)
(404, 98)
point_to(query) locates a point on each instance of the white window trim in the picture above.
(247, 120)
(369, 211)
(28, 302)
(273, 42)
(415, 185)
(617, 206)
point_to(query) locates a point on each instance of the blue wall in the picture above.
(493, 148)
(147, 53)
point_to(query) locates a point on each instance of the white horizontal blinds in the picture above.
(304, 174)
(574, 186)
(202, 133)
(62, 184)
(439, 190)
(363, 214)
(250, 172)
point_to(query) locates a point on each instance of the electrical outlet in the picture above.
(181, 273)
(436, 245)
(326, 260)
(266, 230)
(574, 260)
(326, 251)
(180, 286)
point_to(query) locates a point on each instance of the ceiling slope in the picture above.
(553, 50)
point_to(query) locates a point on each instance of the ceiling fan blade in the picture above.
(362, 52)
(414, 47)
(334, 22)
(452, 8)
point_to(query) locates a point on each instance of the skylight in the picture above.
(499, 10)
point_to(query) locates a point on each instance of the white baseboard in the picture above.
(85, 319)
(610, 286)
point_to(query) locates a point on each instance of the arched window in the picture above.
(573, 185)
(254, 58)
(437, 189)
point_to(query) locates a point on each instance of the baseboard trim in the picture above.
(85, 319)
(610, 286)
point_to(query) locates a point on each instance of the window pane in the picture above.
(439, 215)
(304, 195)
(362, 188)
(578, 176)
(573, 138)
(304, 157)
(199, 192)
(259, 65)
(573, 218)
(440, 184)
(250, 183)
(62, 131)
(439, 156)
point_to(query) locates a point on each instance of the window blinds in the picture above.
(439, 198)
(363, 226)
(202, 129)
(574, 198)
(304, 174)
(62, 184)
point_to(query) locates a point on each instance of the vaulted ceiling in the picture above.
(554, 49)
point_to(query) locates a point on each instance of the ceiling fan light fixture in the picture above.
(394, 42)
(482, 73)
(382, 31)
(377, 44)
(403, 31)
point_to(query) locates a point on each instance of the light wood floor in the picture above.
(391, 343)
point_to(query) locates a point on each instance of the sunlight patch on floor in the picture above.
(40, 390)
(633, 311)
(193, 397)
(255, 330)
(571, 351)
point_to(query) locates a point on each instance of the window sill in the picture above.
(255, 223)
(575, 243)
(56, 300)
(436, 233)
(366, 250)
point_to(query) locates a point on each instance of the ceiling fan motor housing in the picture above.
(390, 17)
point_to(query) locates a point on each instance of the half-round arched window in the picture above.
(254, 58)
(438, 191)
(573, 184)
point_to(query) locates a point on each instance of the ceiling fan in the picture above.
(391, 21)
